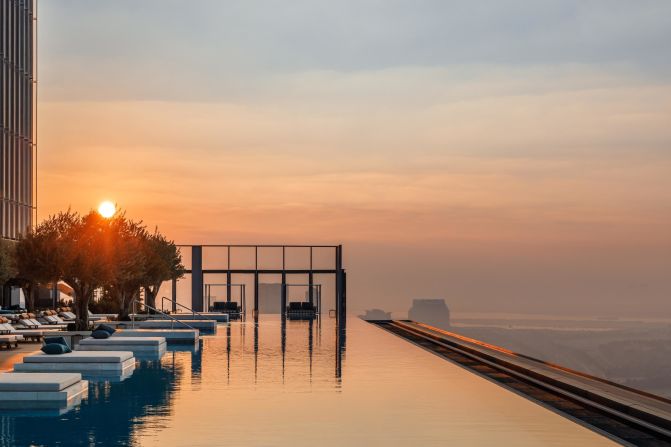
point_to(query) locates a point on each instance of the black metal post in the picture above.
(311, 295)
(197, 278)
(283, 296)
(174, 295)
(228, 277)
(228, 286)
(256, 294)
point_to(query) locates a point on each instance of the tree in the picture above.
(128, 262)
(85, 246)
(163, 263)
(7, 261)
(38, 257)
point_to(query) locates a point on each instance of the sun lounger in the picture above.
(41, 390)
(22, 334)
(9, 341)
(110, 362)
(67, 315)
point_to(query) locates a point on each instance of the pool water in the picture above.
(299, 384)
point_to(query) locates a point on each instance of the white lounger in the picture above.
(140, 346)
(68, 316)
(9, 340)
(40, 390)
(22, 334)
(94, 362)
(32, 323)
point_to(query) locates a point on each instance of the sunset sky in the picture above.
(508, 156)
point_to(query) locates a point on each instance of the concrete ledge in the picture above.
(39, 390)
(203, 325)
(37, 382)
(172, 336)
(119, 368)
(80, 357)
(216, 316)
(126, 341)
(145, 347)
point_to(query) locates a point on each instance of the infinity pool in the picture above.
(299, 384)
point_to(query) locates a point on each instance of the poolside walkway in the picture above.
(8, 357)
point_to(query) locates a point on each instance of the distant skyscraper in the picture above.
(17, 116)
(430, 311)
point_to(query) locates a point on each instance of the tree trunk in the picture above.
(125, 305)
(82, 298)
(29, 292)
(150, 298)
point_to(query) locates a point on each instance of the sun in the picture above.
(107, 209)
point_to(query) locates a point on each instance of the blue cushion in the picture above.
(99, 334)
(106, 328)
(55, 348)
(57, 340)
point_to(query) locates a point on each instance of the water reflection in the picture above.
(107, 417)
(281, 352)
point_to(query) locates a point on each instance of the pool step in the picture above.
(26, 391)
(172, 336)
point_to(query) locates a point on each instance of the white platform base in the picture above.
(176, 336)
(141, 347)
(203, 325)
(29, 391)
(121, 368)
(216, 316)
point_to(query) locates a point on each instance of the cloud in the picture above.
(509, 155)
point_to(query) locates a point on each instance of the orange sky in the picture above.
(539, 186)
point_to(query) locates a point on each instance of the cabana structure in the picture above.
(255, 261)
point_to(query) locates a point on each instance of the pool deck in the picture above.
(8, 357)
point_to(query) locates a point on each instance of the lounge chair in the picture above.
(22, 334)
(9, 341)
(66, 314)
(230, 308)
(32, 323)
(298, 310)
(51, 317)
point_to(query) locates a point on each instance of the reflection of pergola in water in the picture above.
(228, 265)
(314, 333)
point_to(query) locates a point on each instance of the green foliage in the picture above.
(129, 261)
(163, 263)
(7, 261)
(105, 304)
(89, 253)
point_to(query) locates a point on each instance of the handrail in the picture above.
(163, 298)
(159, 311)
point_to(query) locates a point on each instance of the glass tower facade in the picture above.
(17, 116)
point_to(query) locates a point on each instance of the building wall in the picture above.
(16, 117)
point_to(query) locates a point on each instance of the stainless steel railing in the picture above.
(160, 312)
(194, 313)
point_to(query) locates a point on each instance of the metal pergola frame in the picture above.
(197, 273)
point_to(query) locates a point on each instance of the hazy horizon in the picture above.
(505, 156)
